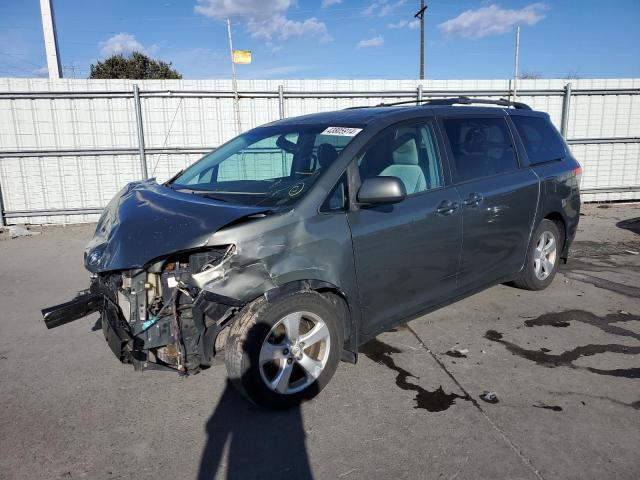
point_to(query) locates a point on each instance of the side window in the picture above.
(481, 147)
(408, 152)
(541, 141)
(338, 199)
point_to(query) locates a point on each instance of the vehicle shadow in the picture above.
(631, 224)
(261, 443)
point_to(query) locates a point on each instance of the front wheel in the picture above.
(283, 352)
(542, 258)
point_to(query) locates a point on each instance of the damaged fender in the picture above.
(172, 268)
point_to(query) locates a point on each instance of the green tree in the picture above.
(135, 66)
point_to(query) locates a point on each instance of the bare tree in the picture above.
(573, 74)
(530, 75)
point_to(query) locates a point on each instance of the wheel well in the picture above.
(337, 297)
(557, 218)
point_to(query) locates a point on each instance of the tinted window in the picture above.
(480, 146)
(541, 141)
(408, 152)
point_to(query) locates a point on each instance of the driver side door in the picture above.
(406, 254)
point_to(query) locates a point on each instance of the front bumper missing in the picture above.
(160, 345)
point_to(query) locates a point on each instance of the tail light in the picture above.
(577, 173)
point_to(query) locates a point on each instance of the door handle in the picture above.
(447, 207)
(473, 200)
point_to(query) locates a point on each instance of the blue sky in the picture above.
(332, 38)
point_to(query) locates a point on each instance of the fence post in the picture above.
(143, 158)
(281, 100)
(2, 222)
(419, 94)
(566, 101)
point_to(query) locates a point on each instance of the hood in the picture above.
(145, 221)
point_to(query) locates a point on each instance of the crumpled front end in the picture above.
(171, 269)
(156, 318)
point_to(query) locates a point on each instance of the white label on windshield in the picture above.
(342, 131)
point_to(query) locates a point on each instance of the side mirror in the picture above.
(381, 190)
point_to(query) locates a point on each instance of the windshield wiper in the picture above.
(214, 197)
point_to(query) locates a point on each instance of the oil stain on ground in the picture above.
(555, 408)
(432, 401)
(609, 258)
(606, 323)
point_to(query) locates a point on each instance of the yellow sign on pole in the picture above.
(242, 56)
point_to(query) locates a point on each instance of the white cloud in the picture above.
(41, 72)
(274, 47)
(492, 20)
(221, 9)
(371, 42)
(123, 43)
(328, 3)
(410, 24)
(265, 19)
(382, 8)
(279, 26)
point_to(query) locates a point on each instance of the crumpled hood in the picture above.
(145, 221)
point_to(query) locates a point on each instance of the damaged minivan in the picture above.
(285, 249)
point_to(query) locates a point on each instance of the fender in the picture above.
(349, 316)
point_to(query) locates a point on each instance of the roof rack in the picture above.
(468, 101)
(461, 101)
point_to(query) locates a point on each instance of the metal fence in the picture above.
(67, 146)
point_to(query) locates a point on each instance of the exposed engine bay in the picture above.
(158, 318)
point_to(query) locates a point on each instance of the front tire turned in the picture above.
(285, 351)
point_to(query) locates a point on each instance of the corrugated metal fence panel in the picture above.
(186, 114)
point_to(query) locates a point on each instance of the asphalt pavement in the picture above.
(564, 365)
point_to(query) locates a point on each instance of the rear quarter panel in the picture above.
(559, 185)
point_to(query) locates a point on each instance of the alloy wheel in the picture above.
(544, 255)
(295, 352)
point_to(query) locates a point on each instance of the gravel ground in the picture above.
(564, 363)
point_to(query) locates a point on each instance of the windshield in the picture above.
(269, 166)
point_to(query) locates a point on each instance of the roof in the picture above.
(350, 116)
(361, 116)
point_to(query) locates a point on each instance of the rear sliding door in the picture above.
(499, 197)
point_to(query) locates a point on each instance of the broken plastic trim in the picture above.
(84, 304)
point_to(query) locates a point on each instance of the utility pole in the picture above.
(50, 38)
(236, 100)
(420, 15)
(515, 70)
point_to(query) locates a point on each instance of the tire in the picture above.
(538, 274)
(260, 352)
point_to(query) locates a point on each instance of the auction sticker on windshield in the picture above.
(342, 131)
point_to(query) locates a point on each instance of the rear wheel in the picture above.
(542, 258)
(282, 352)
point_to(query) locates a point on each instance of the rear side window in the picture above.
(541, 141)
(481, 147)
